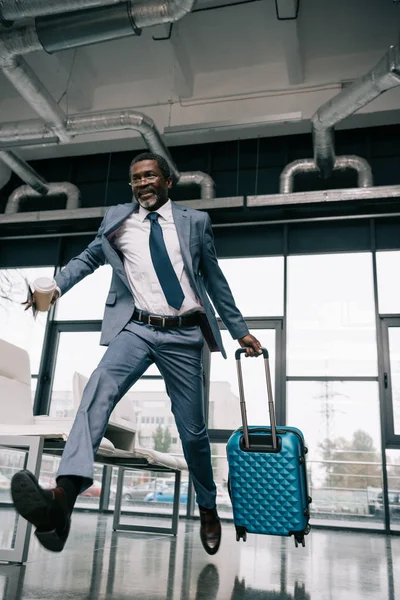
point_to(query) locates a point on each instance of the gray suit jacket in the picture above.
(200, 260)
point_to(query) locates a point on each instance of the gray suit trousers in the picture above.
(178, 355)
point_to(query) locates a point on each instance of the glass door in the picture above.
(391, 379)
(391, 404)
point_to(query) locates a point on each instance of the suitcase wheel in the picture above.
(299, 539)
(241, 533)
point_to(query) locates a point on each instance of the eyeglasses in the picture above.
(148, 179)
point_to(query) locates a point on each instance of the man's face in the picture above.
(149, 186)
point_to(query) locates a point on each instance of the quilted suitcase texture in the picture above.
(267, 475)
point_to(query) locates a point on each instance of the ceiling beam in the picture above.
(183, 72)
(287, 15)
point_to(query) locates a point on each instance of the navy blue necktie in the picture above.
(162, 264)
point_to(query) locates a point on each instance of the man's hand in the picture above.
(29, 303)
(252, 345)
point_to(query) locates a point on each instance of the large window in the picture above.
(78, 355)
(340, 421)
(331, 316)
(86, 300)
(17, 325)
(332, 392)
(256, 284)
(388, 265)
(224, 409)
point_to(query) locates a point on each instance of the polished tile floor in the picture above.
(99, 564)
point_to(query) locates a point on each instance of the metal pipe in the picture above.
(384, 76)
(25, 132)
(24, 171)
(90, 22)
(82, 124)
(18, 41)
(25, 192)
(12, 10)
(20, 74)
(147, 13)
(13, 44)
(307, 165)
(125, 119)
(204, 180)
(71, 30)
(5, 174)
(85, 27)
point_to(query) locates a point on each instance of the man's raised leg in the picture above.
(126, 359)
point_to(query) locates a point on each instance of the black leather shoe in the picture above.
(210, 530)
(47, 510)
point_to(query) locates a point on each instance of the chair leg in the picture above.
(33, 446)
(118, 499)
(175, 511)
(118, 526)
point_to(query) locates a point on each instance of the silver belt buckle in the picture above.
(156, 317)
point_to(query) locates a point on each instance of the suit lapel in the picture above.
(123, 213)
(112, 256)
(182, 224)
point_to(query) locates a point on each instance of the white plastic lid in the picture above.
(44, 284)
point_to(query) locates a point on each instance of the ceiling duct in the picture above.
(307, 165)
(147, 12)
(204, 180)
(5, 174)
(25, 133)
(128, 119)
(82, 124)
(384, 76)
(86, 27)
(72, 30)
(12, 10)
(20, 74)
(80, 28)
(24, 171)
(25, 192)
(123, 119)
(36, 186)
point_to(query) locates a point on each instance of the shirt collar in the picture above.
(165, 211)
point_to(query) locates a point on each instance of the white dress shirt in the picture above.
(132, 239)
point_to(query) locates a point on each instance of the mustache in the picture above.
(147, 191)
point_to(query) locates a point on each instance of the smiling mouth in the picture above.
(146, 195)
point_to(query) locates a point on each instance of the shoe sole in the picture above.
(32, 505)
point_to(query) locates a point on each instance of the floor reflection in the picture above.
(99, 564)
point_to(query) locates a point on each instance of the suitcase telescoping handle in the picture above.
(238, 353)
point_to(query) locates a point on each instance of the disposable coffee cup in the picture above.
(43, 288)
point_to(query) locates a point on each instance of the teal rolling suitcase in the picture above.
(267, 474)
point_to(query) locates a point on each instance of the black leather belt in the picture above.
(158, 321)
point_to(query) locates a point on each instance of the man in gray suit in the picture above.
(157, 311)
